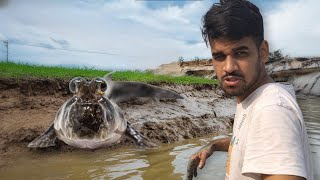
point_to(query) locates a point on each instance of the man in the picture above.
(269, 138)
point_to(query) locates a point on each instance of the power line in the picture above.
(72, 50)
(63, 49)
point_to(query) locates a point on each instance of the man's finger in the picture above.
(191, 163)
(189, 175)
(192, 166)
(190, 172)
(190, 169)
(203, 159)
(195, 173)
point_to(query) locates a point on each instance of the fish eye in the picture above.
(74, 84)
(101, 84)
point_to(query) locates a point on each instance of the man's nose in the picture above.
(230, 65)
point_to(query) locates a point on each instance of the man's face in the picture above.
(237, 64)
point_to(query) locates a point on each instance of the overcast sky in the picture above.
(137, 34)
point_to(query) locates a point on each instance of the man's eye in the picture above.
(241, 54)
(219, 57)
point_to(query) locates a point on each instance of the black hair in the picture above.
(233, 20)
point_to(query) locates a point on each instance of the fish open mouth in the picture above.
(87, 119)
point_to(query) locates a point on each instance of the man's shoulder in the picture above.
(276, 101)
(275, 94)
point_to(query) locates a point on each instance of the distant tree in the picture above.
(180, 60)
(276, 55)
(197, 60)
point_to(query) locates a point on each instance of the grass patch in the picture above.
(9, 69)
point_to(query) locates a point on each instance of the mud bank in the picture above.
(302, 73)
(28, 107)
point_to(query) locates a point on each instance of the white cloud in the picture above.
(295, 28)
(143, 37)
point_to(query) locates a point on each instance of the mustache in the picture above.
(234, 73)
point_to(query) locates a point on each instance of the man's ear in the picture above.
(264, 51)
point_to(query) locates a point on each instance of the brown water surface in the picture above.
(310, 107)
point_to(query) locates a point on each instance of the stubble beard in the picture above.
(246, 87)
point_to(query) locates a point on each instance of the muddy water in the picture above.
(167, 162)
(310, 107)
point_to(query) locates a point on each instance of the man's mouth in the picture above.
(232, 80)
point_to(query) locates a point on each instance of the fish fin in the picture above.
(47, 139)
(108, 77)
(138, 138)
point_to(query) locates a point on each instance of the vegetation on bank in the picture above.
(276, 55)
(9, 69)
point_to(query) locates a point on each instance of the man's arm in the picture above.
(199, 159)
(281, 177)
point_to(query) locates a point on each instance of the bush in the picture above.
(180, 61)
(276, 55)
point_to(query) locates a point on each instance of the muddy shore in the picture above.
(28, 107)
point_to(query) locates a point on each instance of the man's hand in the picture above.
(197, 160)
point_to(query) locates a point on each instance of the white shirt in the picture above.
(269, 136)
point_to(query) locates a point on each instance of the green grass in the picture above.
(9, 69)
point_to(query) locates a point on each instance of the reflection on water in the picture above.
(310, 107)
(166, 162)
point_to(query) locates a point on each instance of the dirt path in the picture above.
(28, 107)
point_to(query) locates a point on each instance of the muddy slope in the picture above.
(28, 107)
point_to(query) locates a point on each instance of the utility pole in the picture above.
(7, 45)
